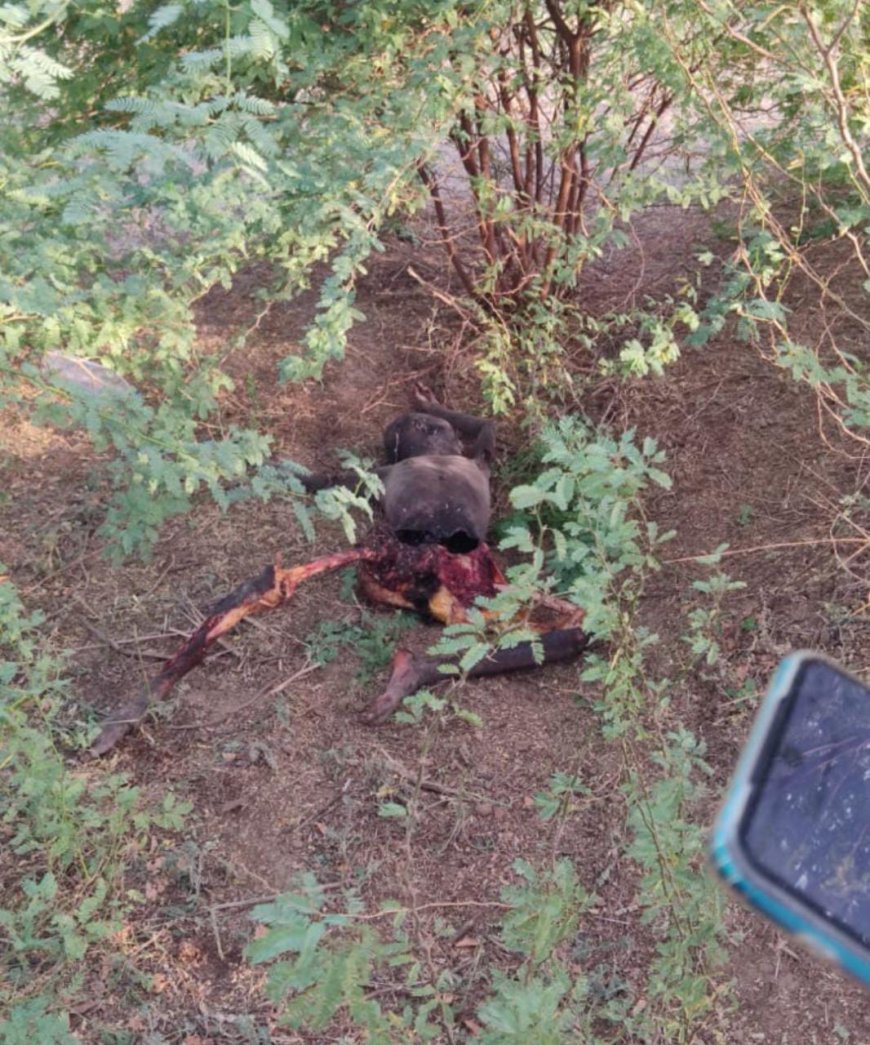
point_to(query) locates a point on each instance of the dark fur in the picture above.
(436, 479)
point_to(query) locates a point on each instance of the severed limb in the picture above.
(271, 589)
(411, 671)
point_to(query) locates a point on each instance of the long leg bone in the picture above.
(272, 588)
(411, 671)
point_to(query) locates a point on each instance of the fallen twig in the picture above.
(766, 548)
(265, 694)
(138, 654)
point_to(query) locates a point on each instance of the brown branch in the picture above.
(466, 147)
(431, 183)
(564, 214)
(472, 169)
(534, 114)
(840, 106)
(653, 123)
(511, 134)
(578, 196)
(559, 216)
(562, 27)
(636, 121)
(491, 237)
(482, 139)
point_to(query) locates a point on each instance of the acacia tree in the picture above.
(556, 120)
(147, 154)
(579, 115)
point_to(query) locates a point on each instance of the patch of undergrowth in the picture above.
(706, 620)
(69, 833)
(372, 639)
(585, 524)
(160, 463)
(333, 953)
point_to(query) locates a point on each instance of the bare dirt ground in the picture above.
(289, 780)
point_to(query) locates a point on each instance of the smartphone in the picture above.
(793, 835)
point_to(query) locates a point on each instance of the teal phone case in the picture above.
(730, 861)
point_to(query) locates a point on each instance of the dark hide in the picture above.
(438, 500)
(436, 480)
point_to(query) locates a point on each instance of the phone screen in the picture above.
(807, 825)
